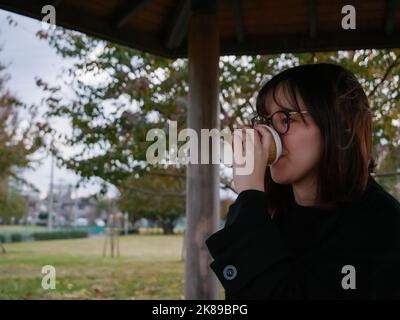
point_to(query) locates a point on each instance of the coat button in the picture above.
(230, 272)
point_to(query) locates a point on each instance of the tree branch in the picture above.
(389, 69)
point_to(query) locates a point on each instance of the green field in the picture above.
(150, 267)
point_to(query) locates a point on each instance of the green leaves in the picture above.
(120, 93)
(21, 135)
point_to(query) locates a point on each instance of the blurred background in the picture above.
(75, 189)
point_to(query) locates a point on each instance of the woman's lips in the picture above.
(284, 154)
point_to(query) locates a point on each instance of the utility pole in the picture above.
(126, 223)
(50, 200)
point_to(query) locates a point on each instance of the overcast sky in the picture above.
(28, 57)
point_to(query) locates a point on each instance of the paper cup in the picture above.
(275, 150)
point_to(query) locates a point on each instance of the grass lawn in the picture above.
(150, 267)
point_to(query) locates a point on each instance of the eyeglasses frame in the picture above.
(268, 120)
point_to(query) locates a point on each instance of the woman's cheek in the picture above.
(303, 151)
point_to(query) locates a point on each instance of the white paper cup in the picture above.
(275, 150)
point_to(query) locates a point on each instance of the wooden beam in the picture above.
(122, 16)
(390, 14)
(57, 3)
(312, 18)
(203, 7)
(299, 44)
(202, 202)
(72, 19)
(254, 45)
(54, 3)
(237, 14)
(178, 29)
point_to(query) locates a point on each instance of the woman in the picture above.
(315, 224)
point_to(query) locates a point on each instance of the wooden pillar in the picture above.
(202, 202)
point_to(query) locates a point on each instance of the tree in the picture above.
(130, 92)
(390, 166)
(225, 204)
(159, 197)
(12, 207)
(20, 138)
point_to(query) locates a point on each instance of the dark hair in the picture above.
(338, 105)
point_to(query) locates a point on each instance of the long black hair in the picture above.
(339, 106)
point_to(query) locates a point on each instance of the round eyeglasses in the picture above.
(279, 120)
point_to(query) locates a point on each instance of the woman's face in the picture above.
(301, 145)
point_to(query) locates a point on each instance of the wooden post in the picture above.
(114, 225)
(202, 202)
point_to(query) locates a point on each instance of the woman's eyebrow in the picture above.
(280, 109)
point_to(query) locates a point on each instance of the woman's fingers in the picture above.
(237, 141)
(252, 137)
(242, 138)
(265, 137)
(237, 146)
(252, 175)
(256, 139)
(262, 130)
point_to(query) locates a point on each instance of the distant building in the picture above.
(67, 211)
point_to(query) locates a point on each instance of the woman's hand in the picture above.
(259, 147)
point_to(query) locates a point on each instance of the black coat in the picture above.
(307, 253)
